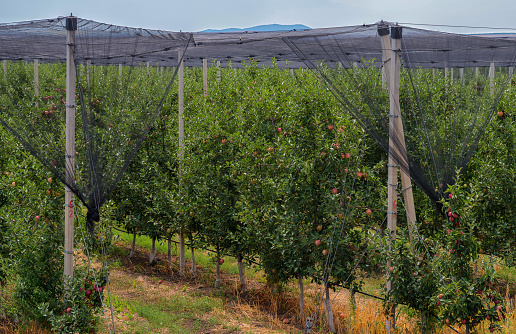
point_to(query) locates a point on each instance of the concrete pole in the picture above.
(205, 76)
(180, 93)
(71, 27)
(36, 77)
(491, 77)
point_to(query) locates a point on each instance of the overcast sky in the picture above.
(195, 15)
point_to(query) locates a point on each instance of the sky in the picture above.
(195, 15)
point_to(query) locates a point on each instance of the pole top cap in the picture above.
(71, 23)
(383, 28)
(396, 32)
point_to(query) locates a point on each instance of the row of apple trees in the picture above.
(273, 171)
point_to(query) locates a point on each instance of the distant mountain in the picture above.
(266, 27)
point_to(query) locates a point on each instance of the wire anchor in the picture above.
(309, 324)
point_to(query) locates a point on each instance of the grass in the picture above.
(367, 318)
(202, 257)
(141, 304)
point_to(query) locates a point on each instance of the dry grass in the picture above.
(262, 309)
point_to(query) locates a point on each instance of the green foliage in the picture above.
(466, 295)
(80, 305)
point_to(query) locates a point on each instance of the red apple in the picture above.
(278, 130)
(324, 252)
(255, 153)
(319, 228)
(334, 191)
(499, 114)
(330, 127)
(369, 212)
(447, 322)
(270, 149)
(13, 184)
(499, 308)
(160, 281)
(286, 321)
(37, 217)
(449, 195)
(221, 261)
(318, 242)
(49, 180)
(440, 296)
(68, 310)
(224, 141)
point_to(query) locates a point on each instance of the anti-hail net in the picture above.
(116, 106)
(444, 110)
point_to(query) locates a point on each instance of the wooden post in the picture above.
(451, 75)
(394, 123)
(5, 70)
(218, 70)
(36, 77)
(491, 77)
(180, 94)
(88, 70)
(511, 72)
(71, 27)
(476, 72)
(433, 73)
(461, 72)
(120, 70)
(205, 76)
(446, 69)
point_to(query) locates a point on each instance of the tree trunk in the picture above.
(131, 254)
(328, 309)
(217, 280)
(423, 323)
(467, 328)
(352, 300)
(301, 296)
(194, 268)
(241, 272)
(169, 253)
(2, 311)
(152, 257)
(181, 253)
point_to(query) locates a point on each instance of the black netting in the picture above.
(444, 115)
(115, 106)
